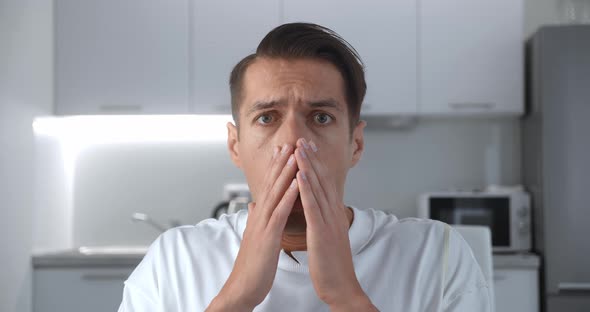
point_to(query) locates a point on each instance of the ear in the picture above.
(233, 144)
(358, 142)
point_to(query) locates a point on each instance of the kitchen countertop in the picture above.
(517, 261)
(80, 258)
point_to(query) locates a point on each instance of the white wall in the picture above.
(52, 210)
(184, 181)
(25, 91)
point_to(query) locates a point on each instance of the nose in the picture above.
(292, 128)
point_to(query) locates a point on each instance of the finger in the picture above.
(279, 158)
(275, 152)
(267, 182)
(280, 186)
(278, 161)
(304, 165)
(322, 172)
(311, 210)
(279, 216)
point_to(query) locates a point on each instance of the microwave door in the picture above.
(493, 212)
(473, 216)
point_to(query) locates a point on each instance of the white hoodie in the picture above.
(402, 265)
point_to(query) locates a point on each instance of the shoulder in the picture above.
(410, 230)
(413, 230)
(382, 232)
(428, 238)
(227, 227)
(433, 248)
(187, 245)
(210, 235)
(463, 276)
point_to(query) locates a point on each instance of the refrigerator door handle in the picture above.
(573, 287)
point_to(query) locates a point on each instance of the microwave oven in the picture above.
(506, 213)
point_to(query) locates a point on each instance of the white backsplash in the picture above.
(184, 181)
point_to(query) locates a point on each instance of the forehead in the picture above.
(292, 81)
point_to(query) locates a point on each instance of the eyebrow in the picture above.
(332, 103)
(261, 105)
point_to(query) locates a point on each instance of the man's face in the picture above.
(284, 100)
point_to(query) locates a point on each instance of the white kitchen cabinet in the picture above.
(426, 57)
(516, 282)
(71, 289)
(121, 57)
(384, 34)
(222, 33)
(517, 290)
(471, 57)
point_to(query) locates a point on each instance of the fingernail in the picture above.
(290, 161)
(313, 146)
(302, 152)
(285, 148)
(303, 175)
(293, 183)
(305, 144)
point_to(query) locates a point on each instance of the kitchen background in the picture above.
(184, 181)
(41, 209)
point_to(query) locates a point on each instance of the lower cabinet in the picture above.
(516, 289)
(87, 289)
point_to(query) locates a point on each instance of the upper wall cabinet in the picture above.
(426, 57)
(471, 57)
(121, 57)
(222, 33)
(384, 34)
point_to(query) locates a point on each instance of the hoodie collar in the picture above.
(360, 233)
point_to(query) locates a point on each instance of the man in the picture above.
(296, 105)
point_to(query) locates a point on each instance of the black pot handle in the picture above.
(219, 209)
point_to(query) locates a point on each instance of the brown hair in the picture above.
(305, 40)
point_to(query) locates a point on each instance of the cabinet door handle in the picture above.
(573, 287)
(472, 105)
(120, 108)
(105, 277)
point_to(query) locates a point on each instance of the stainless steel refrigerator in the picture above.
(556, 162)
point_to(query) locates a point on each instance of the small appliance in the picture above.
(506, 211)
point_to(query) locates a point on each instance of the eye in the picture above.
(264, 119)
(322, 118)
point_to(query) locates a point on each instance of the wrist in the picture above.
(224, 302)
(360, 302)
